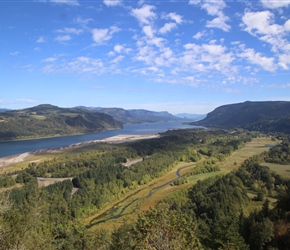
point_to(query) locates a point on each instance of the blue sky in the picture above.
(179, 56)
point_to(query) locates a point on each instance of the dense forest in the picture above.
(211, 214)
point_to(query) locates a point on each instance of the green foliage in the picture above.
(206, 166)
(159, 228)
(279, 154)
(6, 181)
(208, 215)
(48, 120)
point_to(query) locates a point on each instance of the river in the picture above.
(18, 147)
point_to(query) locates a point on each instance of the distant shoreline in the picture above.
(55, 136)
(6, 161)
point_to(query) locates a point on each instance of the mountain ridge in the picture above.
(47, 120)
(265, 116)
(134, 115)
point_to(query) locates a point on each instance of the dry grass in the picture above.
(283, 170)
(256, 146)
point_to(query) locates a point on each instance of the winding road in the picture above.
(121, 213)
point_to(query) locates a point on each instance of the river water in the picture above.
(18, 147)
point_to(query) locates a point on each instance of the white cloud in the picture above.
(267, 63)
(215, 8)
(102, 35)
(194, 1)
(261, 24)
(287, 25)
(117, 59)
(63, 38)
(118, 48)
(207, 58)
(69, 2)
(167, 28)
(40, 40)
(144, 14)
(148, 31)
(70, 31)
(219, 22)
(275, 4)
(112, 2)
(83, 22)
(198, 35)
(175, 17)
(284, 60)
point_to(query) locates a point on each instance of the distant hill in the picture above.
(134, 115)
(48, 120)
(3, 110)
(194, 117)
(269, 116)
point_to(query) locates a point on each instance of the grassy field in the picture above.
(256, 146)
(283, 170)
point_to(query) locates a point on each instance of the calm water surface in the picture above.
(19, 147)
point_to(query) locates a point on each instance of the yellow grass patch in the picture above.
(283, 170)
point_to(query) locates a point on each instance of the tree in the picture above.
(261, 234)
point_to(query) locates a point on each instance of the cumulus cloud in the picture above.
(148, 31)
(145, 14)
(198, 35)
(261, 24)
(214, 8)
(175, 17)
(219, 22)
(267, 63)
(112, 2)
(102, 35)
(275, 4)
(207, 57)
(167, 28)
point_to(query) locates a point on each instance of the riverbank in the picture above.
(6, 162)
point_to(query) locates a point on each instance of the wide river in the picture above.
(18, 147)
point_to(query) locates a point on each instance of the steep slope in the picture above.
(263, 116)
(134, 115)
(49, 120)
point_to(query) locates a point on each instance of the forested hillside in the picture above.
(212, 214)
(48, 120)
(134, 115)
(259, 116)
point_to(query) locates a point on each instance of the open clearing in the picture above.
(108, 214)
(280, 169)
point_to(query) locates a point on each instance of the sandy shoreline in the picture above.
(5, 162)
